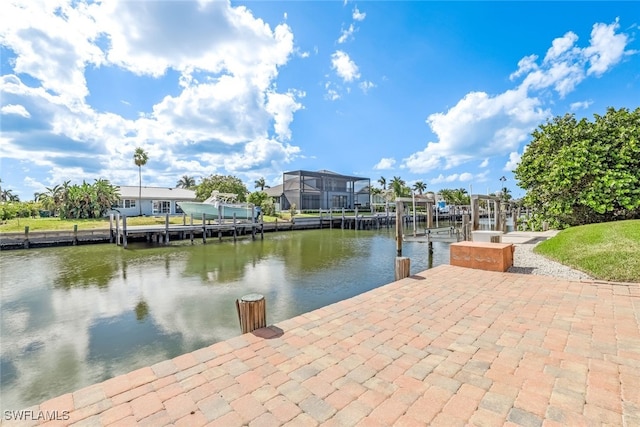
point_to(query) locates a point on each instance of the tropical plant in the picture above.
(187, 182)
(579, 171)
(261, 184)
(457, 196)
(140, 158)
(383, 182)
(506, 194)
(7, 195)
(399, 187)
(419, 187)
(223, 184)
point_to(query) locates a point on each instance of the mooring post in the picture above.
(235, 232)
(342, 223)
(252, 312)
(117, 229)
(124, 231)
(26, 237)
(261, 225)
(399, 228)
(276, 223)
(75, 234)
(403, 267)
(166, 229)
(111, 228)
(475, 212)
(465, 227)
(204, 230)
(330, 218)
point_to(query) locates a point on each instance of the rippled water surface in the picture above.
(74, 316)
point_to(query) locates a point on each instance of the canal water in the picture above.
(74, 316)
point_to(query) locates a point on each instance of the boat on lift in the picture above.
(218, 205)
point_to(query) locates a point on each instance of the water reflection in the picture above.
(78, 315)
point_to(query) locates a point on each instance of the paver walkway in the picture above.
(450, 346)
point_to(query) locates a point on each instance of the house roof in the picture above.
(275, 191)
(158, 193)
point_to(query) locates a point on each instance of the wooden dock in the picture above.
(121, 233)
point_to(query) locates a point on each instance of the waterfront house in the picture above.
(154, 200)
(323, 189)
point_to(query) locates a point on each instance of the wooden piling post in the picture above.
(475, 212)
(252, 312)
(124, 231)
(403, 267)
(399, 228)
(235, 231)
(110, 228)
(465, 227)
(204, 230)
(276, 224)
(330, 219)
(26, 237)
(75, 234)
(496, 213)
(117, 229)
(342, 223)
(166, 229)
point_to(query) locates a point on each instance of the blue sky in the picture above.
(445, 93)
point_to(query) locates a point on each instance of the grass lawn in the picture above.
(57, 224)
(607, 251)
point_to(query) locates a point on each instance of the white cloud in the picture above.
(560, 46)
(566, 65)
(525, 65)
(52, 47)
(346, 34)
(580, 105)
(466, 176)
(462, 177)
(607, 48)
(344, 66)
(282, 106)
(18, 110)
(477, 127)
(512, 163)
(357, 15)
(366, 85)
(484, 163)
(227, 61)
(385, 163)
(482, 125)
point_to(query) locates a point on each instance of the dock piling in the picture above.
(403, 267)
(252, 312)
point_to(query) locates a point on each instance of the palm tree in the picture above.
(261, 184)
(186, 181)
(398, 185)
(460, 196)
(383, 182)
(419, 187)
(506, 194)
(140, 158)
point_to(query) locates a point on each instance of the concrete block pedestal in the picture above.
(482, 255)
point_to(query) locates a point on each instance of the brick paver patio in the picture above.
(450, 346)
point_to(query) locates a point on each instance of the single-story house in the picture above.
(154, 200)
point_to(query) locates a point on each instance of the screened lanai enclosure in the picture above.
(324, 190)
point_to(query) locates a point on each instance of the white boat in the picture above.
(219, 205)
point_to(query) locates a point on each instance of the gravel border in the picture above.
(525, 261)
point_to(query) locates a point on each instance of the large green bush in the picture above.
(581, 172)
